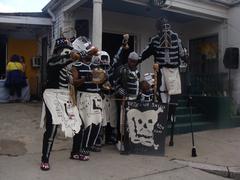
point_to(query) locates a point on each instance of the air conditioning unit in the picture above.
(36, 61)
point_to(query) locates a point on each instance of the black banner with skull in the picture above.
(146, 127)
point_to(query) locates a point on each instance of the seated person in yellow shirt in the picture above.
(15, 77)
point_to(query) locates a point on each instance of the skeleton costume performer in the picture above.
(58, 108)
(127, 78)
(167, 50)
(89, 101)
(127, 88)
(109, 102)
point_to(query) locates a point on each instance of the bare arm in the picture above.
(76, 80)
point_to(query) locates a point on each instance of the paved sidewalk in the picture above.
(20, 151)
(217, 151)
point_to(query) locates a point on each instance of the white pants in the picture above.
(170, 83)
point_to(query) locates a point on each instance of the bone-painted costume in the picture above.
(89, 105)
(58, 108)
(127, 88)
(127, 82)
(109, 103)
(166, 47)
(168, 59)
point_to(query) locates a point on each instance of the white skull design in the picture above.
(141, 126)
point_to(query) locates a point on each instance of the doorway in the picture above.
(111, 43)
(204, 55)
(205, 77)
(3, 56)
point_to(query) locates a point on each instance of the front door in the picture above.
(204, 65)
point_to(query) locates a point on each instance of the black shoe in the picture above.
(124, 152)
(111, 141)
(95, 149)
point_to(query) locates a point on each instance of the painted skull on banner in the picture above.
(141, 125)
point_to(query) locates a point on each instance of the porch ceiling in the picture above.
(140, 10)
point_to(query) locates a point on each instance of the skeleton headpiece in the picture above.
(103, 60)
(162, 24)
(164, 29)
(61, 44)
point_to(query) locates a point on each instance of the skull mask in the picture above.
(102, 60)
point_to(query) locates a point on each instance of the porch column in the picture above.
(97, 24)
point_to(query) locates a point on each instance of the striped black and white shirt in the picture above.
(165, 57)
(127, 80)
(86, 70)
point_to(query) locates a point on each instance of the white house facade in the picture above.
(205, 26)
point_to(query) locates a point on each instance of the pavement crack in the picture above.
(10, 155)
(154, 173)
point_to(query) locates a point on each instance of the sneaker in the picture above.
(44, 166)
(119, 146)
(79, 157)
(85, 152)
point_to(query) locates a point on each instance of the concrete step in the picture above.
(185, 118)
(236, 120)
(182, 102)
(181, 110)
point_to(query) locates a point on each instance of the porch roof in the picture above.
(181, 10)
(40, 19)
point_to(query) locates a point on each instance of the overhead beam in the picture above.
(74, 4)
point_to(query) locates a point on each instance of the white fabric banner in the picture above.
(63, 111)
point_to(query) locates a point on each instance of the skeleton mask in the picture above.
(102, 60)
(141, 126)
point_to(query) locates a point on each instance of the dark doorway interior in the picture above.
(82, 27)
(3, 56)
(111, 43)
(205, 77)
(204, 55)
